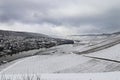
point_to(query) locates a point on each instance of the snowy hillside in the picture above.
(12, 43)
(92, 38)
(99, 55)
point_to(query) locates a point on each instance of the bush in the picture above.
(1, 48)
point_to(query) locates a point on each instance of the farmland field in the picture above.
(89, 56)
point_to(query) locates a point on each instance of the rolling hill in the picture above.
(12, 42)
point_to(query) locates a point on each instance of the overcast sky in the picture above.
(60, 17)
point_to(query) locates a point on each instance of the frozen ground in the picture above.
(80, 76)
(60, 61)
(96, 58)
(47, 63)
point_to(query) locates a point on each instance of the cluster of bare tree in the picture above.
(10, 45)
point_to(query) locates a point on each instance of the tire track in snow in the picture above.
(103, 59)
(101, 47)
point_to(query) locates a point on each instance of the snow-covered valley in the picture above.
(98, 56)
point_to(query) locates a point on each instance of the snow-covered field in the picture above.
(96, 65)
(80, 76)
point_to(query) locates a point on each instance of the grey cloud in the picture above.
(38, 12)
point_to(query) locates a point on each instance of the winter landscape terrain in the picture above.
(94, 56)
